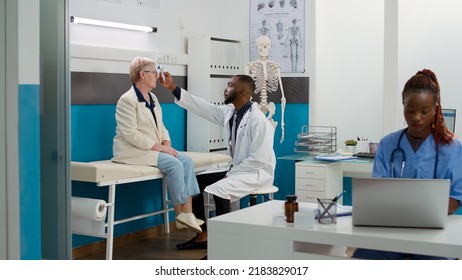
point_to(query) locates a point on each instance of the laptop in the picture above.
(372, 150)
(400, 202)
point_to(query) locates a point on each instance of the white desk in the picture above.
(250, 234)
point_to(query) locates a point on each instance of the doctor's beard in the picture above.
(230, 98)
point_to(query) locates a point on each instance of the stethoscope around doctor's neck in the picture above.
(403, 164)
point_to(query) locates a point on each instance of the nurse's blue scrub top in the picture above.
(420, 164)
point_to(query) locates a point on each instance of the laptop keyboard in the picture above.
(365, 155)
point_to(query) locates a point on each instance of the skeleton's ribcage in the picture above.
(268, 82)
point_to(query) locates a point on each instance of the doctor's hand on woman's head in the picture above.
(168, 82)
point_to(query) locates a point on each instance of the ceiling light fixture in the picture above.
(79, 20)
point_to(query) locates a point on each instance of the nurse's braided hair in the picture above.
(425, 80)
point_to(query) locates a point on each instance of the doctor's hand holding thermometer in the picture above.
(160, 72)
(167, 81)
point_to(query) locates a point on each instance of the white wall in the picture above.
(166, 18)
(175, 20)
(217, 18)
(348, 78)
(430, 37)
(362, 64)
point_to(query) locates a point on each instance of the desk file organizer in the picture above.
(317, 139)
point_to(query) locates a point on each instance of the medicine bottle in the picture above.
(291, 206)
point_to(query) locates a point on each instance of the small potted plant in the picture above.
(351, 145)
(351, 142)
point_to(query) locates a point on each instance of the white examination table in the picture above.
(110, 174)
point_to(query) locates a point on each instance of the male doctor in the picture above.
(250, 143)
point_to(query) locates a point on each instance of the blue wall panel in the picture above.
(296, 116)
(29, 171)
(92, 131)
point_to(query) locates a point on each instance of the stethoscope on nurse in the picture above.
(399, 150)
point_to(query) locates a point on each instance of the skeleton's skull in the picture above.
(263, 44)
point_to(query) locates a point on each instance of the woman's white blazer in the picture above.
(136, 130)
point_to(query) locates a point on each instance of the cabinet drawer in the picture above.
(310, 172)
(309, 196)
(310, 184)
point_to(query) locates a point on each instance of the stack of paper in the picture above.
(336, 157)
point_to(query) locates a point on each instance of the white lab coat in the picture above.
(254, 161)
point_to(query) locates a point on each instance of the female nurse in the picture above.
(424, 149)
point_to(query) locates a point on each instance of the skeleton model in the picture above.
(267, 76)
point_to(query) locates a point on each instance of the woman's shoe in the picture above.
(189, 220)
(181, 226)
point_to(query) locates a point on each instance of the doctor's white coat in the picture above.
(254, 161)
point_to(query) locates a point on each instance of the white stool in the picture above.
(210, 206)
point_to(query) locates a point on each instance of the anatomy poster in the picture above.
(283, 21)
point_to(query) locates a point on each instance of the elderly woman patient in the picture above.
(142, 139)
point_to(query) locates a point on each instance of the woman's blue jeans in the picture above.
(179, 175)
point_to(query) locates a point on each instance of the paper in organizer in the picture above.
(336, 157)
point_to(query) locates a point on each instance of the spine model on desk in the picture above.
(291, 206)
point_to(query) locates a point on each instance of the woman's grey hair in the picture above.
(138, 64)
